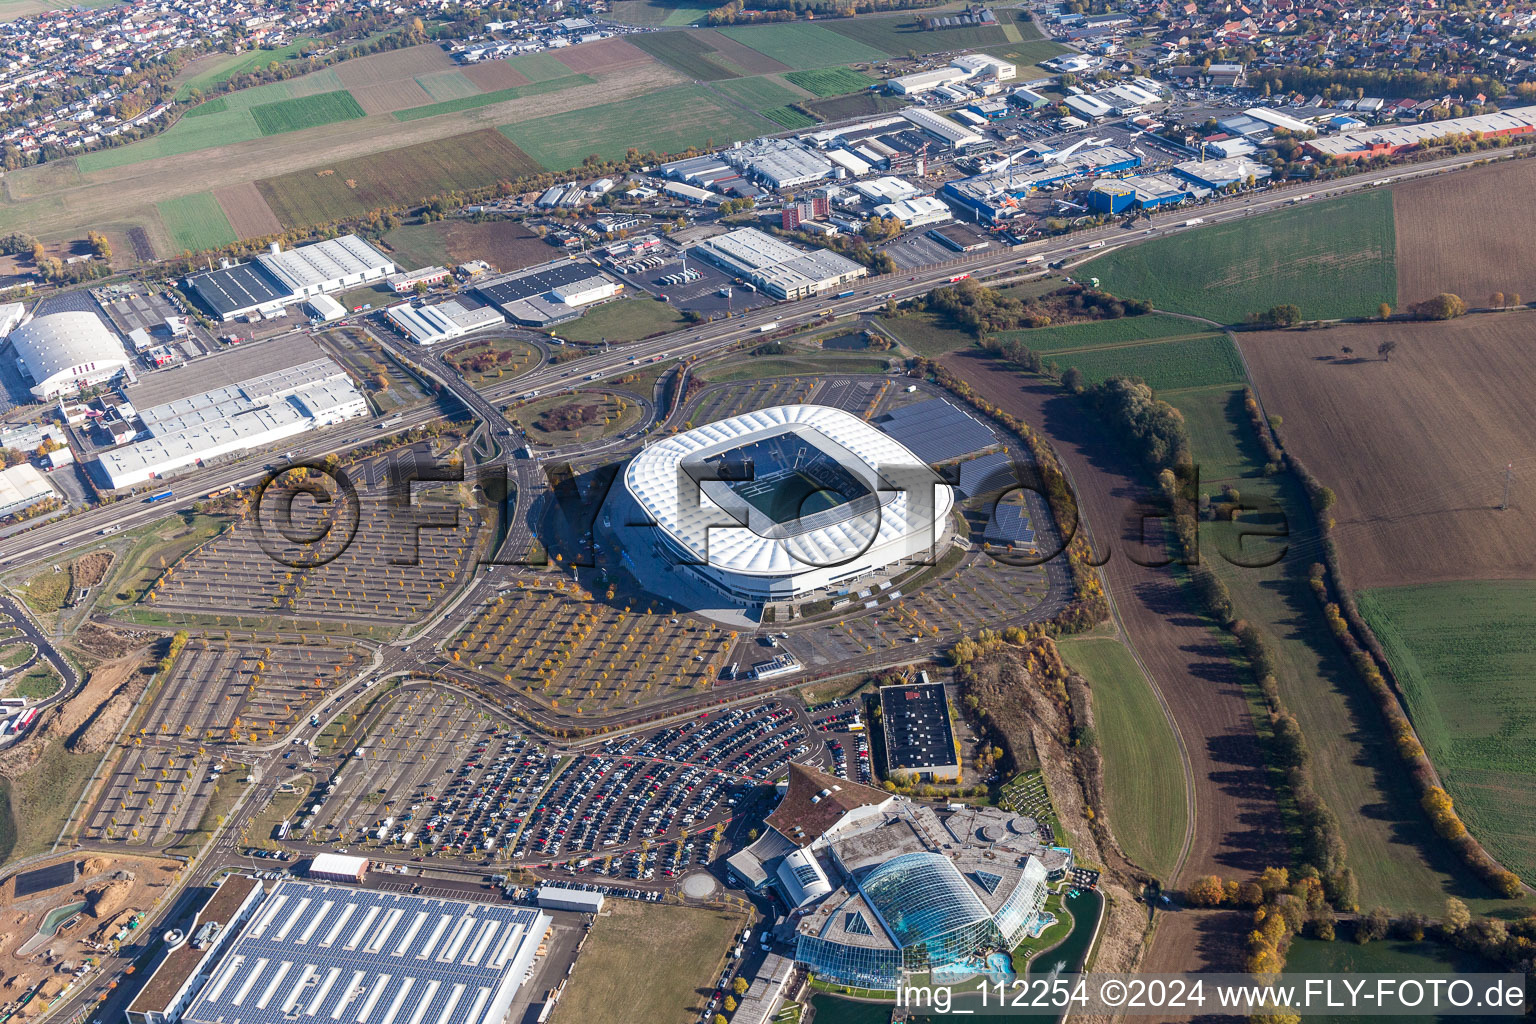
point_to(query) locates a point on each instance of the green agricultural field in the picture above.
(243, 63)
(1199, 361)
(802, 45)
(1028, 53)
(1333, 259)
(898, 34)
(625, 320)
(1465, 654)
(686, 52)
(655, 12)
(446, 85)
(306, 112)
(831, 81)
(1103, 332)
(397, 177)
(789, 118)
(216, 105)
(667, 121)
(538, 67)
(1219, 430)
(857, 104)
(196, 222)
(418, 245)
(760, 93)
(1143, 776)
(500, 95)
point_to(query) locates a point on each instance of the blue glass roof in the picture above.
(920, 896)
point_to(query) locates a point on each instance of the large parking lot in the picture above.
(157, 794)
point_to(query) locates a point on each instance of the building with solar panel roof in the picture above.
(776, 504)
(305, 951)
(884, 888)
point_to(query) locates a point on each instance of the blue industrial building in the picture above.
(995, 195)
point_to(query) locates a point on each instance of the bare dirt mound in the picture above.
(123, 681)
(89, 570)
(110, 898)
(1415, 448)
(1466, 232)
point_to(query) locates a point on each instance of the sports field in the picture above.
(831, 81)
(802, 45)
(1143, 775)
(1465, 654)
(196, 223)
(668, 121)
(1332, 259)
(484, 99)
(1199, 361)
(348, 188)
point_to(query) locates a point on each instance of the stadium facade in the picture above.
(776, 504)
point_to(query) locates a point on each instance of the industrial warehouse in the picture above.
(918, 736)
(777, 268)
(547, 295)
(996, 194)
(319, 952)
(277, 279)
(885, 888)
(776, 504)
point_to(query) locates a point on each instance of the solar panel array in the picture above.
(936, 431)
(1009, 527)
(338, 955)
(986, 474)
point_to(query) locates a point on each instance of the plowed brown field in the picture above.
(393, 65)
(603, 55)
(247, 212)
(1414, 448)
(385, 97)
(494, 75)
(740, 54)
(1468, 232)
(1237, 822)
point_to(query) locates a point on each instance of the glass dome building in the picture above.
(927, 917)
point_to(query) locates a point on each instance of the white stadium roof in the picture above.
(62, 342)
(661, 485)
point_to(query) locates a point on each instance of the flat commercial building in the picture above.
(997, 195)
(1217, 174)
(942, 128)
(779, 163)
(778, 268)
(558, 897)
(192, 956)
(547, 294)
(21, 487)
(1391, 139)
(428, 325)
(961, 69)
(328, 953)
(336, 867)
(916, 213)
(919, 738)
(271, 282)
(63, 352)
(262, 410)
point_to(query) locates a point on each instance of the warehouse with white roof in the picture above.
(776, 504)
(64, 352)
(329, 953)
(776, 267)
(279, 278)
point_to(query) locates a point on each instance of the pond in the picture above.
(855, 342)
(1067, 958)
(50, 925)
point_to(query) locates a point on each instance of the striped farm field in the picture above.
(348, 188)
(788, 117)
(763, 92)
(802, 45)
(196, 222)
(499, 96)
(831, 81)
(667, 121)
(305, 112)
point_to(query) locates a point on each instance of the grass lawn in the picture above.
(831, 81)
(196, 222)
(261, 827)
(1392, 956)
(39, 681)
(803, 45)
(377, 295)
(752, 367)
(1333, 259)
(625, 320)
(418, 245)
(15, 655)
(618, 965)
(448, 106)
(925, 334)
(1465, 654)
(1047, 340)
(1398, 860)
(667, 121)
(1200, 361)
(42, 798)
(612, 415)
(46, 591)
(1143, 780)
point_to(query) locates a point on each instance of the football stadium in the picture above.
(777, 504)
